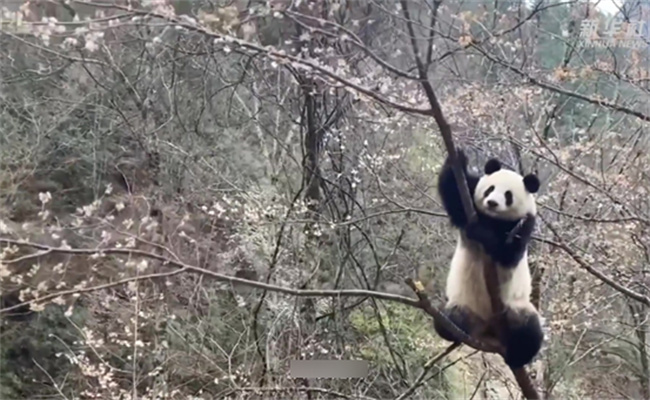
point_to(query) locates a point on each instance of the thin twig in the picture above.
(427, 367)
(56, 385)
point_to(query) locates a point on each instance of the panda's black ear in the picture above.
(531, 182)
(492, 166)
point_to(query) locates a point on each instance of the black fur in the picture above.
(490, 232)
(531, 182)
(523, 337)
(492, 166)
(493, 235)
(449, 193)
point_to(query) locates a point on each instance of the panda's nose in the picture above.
(492, 204)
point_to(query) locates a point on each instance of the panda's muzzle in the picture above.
(492, 204)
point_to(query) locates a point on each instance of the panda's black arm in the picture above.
(523, 232)
(450, 193)
(509, 253)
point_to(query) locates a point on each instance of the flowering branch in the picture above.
(421, 302)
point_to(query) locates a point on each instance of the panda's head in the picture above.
(504, 194)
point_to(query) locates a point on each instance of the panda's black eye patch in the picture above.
(508, 198)
(488, 191)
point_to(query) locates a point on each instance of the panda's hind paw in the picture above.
(524, 338)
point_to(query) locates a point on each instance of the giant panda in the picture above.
(502, 198)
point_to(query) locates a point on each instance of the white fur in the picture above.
(465, 283)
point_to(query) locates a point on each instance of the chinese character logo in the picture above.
(617, 33)
(589, 29)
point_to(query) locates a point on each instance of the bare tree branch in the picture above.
(422, 302)
(281, 56)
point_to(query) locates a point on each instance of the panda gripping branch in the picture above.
(504, 201)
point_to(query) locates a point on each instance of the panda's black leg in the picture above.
(523, 337)
(463, 319)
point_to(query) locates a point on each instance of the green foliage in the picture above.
(552, 46)
(46, 341)
(203, 339)
(412, 337)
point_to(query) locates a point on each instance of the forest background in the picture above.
(174, 175)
